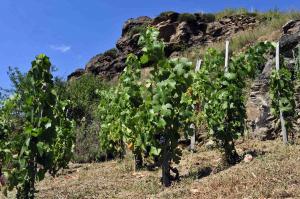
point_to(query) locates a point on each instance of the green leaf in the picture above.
(230, 76)
(40, 175)
(155, 151)
(225, 105)
(166, 109)
(161, 123)
(40, 148)
(48, 125)
(145, 59)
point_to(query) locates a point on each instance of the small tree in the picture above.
(42, 142)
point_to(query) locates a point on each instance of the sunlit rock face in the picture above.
(179, 31)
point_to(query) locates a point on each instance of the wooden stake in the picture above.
(193, 138)
(298, 60)
(198, 65)
(226, 56)
(283, 127)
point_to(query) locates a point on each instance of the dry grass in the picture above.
(274, 173)
(269, 29)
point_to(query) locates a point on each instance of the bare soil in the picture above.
(273, 173)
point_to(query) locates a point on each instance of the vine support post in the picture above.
(226, 55)
(282, 121)
(298, 61)
(193, 138)
(166, 176)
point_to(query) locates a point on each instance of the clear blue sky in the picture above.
(72, 31)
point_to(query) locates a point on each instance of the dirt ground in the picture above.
(273, 173)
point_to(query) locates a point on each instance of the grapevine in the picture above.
(150, 117)
(42, 140)
(111, 136)
(170, 113)
(282, 95)
(222, 94)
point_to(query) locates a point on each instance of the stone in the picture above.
(2, 180)
(194, 190)
(290, 38)
(210, 145)
(167, 16)
(258, 106)
(131, 23)
(248, 158)
(291, 27)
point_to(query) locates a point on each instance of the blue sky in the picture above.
(70, 32)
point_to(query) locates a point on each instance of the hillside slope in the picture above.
(274, 173)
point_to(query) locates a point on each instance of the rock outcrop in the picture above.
(261, 123)
(290, 38)
(77, 73)
(179, 31)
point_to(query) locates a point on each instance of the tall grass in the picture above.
(232, 11)
(269, 29)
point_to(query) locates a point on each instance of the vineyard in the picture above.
(147, 128)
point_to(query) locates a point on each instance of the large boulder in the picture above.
(128, 43)
(107, 65)
(290, 38)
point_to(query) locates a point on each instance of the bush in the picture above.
(187, 17)
(111, 53)
(84, 98)
(233, 11)
(42, 142)
(167, 13)
(87, 147)
(271, 14)
(209, 17)
(82, 94)
(137, 29)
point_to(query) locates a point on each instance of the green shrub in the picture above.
(209, 17)
(82, 93)
(87, 147)
(111, 53)
(42, 142)
(233, 11)
(84, 98)
(271, 14)
(166, 13)
(187, 17)
(137, 29)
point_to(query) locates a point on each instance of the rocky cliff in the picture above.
(179, 31)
